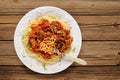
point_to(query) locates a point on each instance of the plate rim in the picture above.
(58, 9)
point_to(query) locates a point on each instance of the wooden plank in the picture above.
(82, 20)
(93, 27)
(94, 52)
(10, 19)
(101, 32)
(80, 73)
(89, 32)
(88, 7)
(7, 31)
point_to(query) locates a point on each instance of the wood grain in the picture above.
(72, 73)
(88, 32)
(99, 21)
(94, 52)
(92, 27)
(87, 7)
(82, 20)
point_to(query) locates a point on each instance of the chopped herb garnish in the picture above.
(44, 66)
(28, 46)
(30, 65)
(74, 49)
(23, 56)
(53, 17)
(38, 40)
(59, 17)
(29, 21)
(22, 37)
(59, 64)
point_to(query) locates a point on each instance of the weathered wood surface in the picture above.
(92, 27)
(72, 73)
(81, 7)
(99, 21)
(94, 52)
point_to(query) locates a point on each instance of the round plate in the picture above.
(32, 63)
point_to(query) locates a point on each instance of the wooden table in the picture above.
(99, 22)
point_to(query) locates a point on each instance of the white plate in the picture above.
(32, 63)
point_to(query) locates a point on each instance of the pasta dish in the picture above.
(45, 34)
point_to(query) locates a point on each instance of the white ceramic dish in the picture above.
(32, 63)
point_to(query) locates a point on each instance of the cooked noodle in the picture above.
(44, 34)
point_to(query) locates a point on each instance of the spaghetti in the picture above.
(45, 34)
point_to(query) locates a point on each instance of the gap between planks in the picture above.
(86, 73)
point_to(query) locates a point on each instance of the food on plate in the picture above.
(45, 34)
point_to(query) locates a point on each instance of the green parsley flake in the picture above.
(38, 40)
(74, 49)
(30, 65)
(44, 66)
(23, 56)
